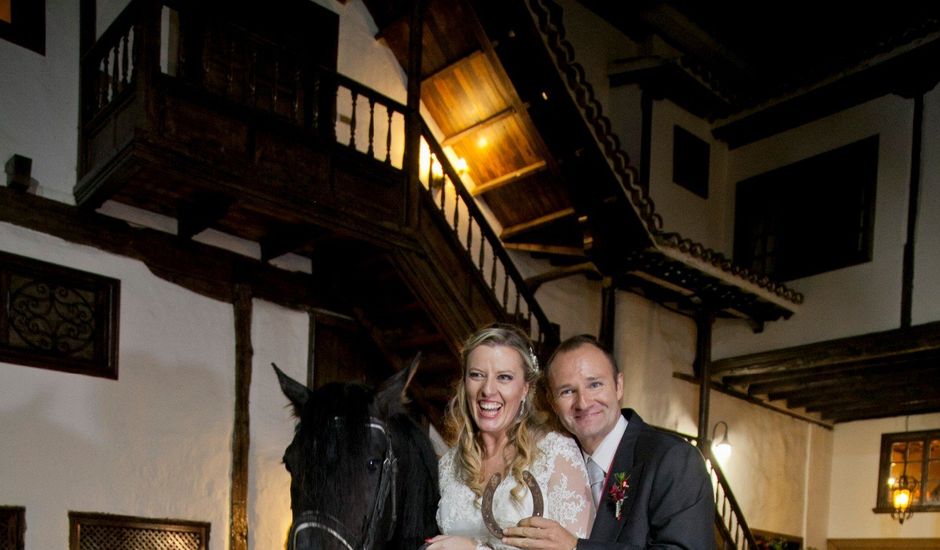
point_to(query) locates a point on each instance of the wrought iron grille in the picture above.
(108, 532)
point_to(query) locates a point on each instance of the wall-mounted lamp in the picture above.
(903, 488)
(18, 169)
(721, 449)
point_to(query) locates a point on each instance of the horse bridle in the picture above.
(312, 519)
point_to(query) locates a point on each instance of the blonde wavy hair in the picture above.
(523, 435)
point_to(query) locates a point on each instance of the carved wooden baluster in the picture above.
(518, 299)
(456, 206)
(125, 57)
(296, 111)
(206, 48)
(505, 289)
(230, 72)
(388, 137)
(253, 76)
(352, 119)
(481, 258)
(431, 181)
(493, 270)
(371, 150)
(274, 85)
(101, 85)
(469, 234)
(115, 70)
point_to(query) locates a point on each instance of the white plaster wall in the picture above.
(853, 300)
(626, 120)
(596, 42)
(926, 306)
(650, 344)
(769, 469)
(279, 335)
(39, 102)
(854, 482)
(713, 224)
(154, 443)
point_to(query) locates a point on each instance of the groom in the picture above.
(665, 497)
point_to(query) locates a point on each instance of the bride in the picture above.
(497, 430)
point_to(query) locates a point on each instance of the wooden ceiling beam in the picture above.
(288, 239)
(511, 177)
(454, 65)
(862, 393)
(481, 125)
(784, 384)
(201, 213)
(876, 345)
(547, 249)
(824, 382)
(810, 372)
(541, 221)
(880, 409)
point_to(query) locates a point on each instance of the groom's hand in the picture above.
(539, 533)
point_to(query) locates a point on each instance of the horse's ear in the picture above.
(392, 393)
(296, 392)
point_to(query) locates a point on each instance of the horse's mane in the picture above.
(417, 482)
(333, 433)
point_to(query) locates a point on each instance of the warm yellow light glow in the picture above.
(482, 142)
(902, 499)
(722, 451)
(891, 481)
(460, 165)
(437, 172)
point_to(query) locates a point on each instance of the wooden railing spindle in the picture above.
(371, 149)
(352, 120)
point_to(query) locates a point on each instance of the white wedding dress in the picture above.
(560, 473)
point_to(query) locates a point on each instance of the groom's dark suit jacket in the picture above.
(669, 502)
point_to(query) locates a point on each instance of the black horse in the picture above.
(363, 472)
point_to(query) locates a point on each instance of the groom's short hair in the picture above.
(575, 342)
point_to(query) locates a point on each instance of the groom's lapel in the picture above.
(606, 526)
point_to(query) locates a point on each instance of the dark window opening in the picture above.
(809, 217)
(23, 22)
(916, 454)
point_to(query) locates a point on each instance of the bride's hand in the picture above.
(451, 542)
(539, 534)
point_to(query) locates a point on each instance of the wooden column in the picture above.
(907, 277)
(238, 535)
(704, 319)
(413, 116)
(608, 314)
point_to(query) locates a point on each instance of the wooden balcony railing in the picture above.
(445, 189)
(157, 47)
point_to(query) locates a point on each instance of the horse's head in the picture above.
(353, 452)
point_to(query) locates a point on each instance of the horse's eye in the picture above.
(374, 464)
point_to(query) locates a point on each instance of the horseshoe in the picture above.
(487, 506)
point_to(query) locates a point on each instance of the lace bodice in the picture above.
(560, 473)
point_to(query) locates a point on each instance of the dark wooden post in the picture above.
(608, 314)
(238, 536)
(703, 359)
(907, 278)
(413, 116)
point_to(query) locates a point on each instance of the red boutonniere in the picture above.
(618, 493)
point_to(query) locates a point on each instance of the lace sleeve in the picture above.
(568, 494)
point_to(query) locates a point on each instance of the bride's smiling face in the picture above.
(495, 387)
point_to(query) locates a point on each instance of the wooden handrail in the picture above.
(729, 519)
(546, 336)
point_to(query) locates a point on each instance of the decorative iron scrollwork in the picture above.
(52, 318)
